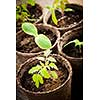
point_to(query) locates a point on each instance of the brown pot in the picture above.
(36, 10)
(62, 92)
(52, 33)
(72, 22)
(77, 63)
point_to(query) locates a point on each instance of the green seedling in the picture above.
(58, 4)
(21, 11)
(40, 39)
(77, 43)
(46, 69)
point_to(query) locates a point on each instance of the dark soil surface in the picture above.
(28, 84)
(69, 18)
(26, 43)
(73, 51)
(34, 11)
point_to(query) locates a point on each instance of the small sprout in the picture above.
(60, 5)
(77, 43)
(52, 10)
(45, 69)
(22, 12)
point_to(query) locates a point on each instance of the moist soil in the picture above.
(69, 18)
(34, 11)
(73, 51)
(26, 43)
(49, 84)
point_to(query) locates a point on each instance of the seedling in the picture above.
(58, 4)
(46, 67)
(22, 13)
(76, 42)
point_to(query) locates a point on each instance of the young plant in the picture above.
(46, 67)
(61, 5)
(21, 11)
(76, 42)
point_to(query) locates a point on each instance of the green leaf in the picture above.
(41, 58)
(66, 1)
(53, 65)
(54, 18)
(76, 41)
(47, 52)
(37, 84)
(29, 29)
(34, 69)
(54, 74)
(31, 2)
(18, 16)
(43, 41)
(68, 9)
(35, 79)
(51, 59)
(40, 79)
(44, 73)
(62, 6)
(24, 7)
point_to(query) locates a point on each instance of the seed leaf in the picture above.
(43, 42)
(53, 65)
(45, 73)
(54, 74)
(29, 29)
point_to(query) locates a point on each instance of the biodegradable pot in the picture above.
(61, 92)
(26, 46)
(67, 21)
(76, 62)
(36, 10)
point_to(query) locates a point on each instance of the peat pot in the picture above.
(69, 20)
(50, 90)
(75, 58)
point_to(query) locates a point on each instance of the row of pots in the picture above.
(27, 51)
